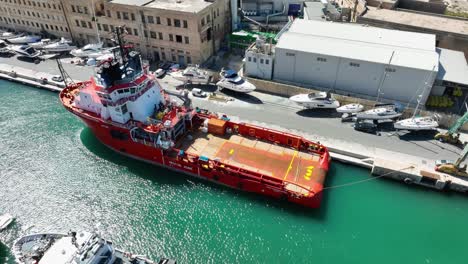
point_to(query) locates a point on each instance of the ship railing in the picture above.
(133, 97)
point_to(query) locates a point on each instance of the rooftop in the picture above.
(452, 66)
(400, 48)
(314, 10)
(431, 22)
(191, 6)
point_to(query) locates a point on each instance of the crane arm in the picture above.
(460, 122)
(462, 156)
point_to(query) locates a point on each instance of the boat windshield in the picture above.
(30, 51)
(314, 96)
(237, 81)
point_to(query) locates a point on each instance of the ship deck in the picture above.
(280, 162)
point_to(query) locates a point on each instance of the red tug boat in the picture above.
(127, 110)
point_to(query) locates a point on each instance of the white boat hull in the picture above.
(5, 221)
(24, 40)
(416, 124)
(245, 87)
(194, 80)
(350, 108)
(377, 117)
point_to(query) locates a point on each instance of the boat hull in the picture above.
(148, 153)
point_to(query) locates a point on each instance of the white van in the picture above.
(198, 92)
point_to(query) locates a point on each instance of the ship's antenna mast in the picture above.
(67, 80)
(119, 30)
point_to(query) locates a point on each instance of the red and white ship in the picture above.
(128, 111)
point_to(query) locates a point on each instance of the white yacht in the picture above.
(5, 221)
(231, 81)
(60, 46)
(416, 123)
(350, 108)
(380, 112)
(26, 51)
(9, 35)
(41, 44)
(24, 39)
(192, 74)
(315, 100)
(73, 248)
(88, 50)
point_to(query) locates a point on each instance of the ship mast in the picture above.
(67, 80)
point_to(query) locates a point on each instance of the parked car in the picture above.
(198, 92)
(365, 126)
(442, 162)
(159, 73)
(57, 78)
(164, 65)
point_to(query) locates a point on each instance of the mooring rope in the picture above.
(369, 179)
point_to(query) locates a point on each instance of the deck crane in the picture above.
(452, 135)
(456, 168)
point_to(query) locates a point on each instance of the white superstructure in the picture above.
(232, 81)
(24, 39)
(192, 74)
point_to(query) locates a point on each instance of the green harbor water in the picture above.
(55, 176)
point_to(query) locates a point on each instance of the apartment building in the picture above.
(36, 16)
(182, 31)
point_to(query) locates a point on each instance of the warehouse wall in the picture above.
(338, 74)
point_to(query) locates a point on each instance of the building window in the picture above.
(151, 19)
(124, 109)
(111, 27)
(106, 27)
(47, 26)
(178, 38)
(133, 16)
(135, 32)
(189, 60)
(129, 31)
(321, 59)
(255, 60)
(145, 33)
(173, 58)
(85, 10)
(390, 70)
(118, 15)
(217, 12)
(171, 37)
(78, 9)
(249, 59)
(83, 23)
(125, 16)
(261, 61)
(160, 35)
(353, 64)
(108, 13)
(169, 22)
(158, 20)
(203, 21)
(267, 61)
(163, 55)
(186, 40)
(176, 23)
(99, 26)
(73, 9)
(89, 25)
(153, 34)
(290, 54)
(185, 24)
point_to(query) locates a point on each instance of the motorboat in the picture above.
(350, 108)
(24, 39)
(316, 100)
(192, 74)
(26, 51)
(5, 221)
(9, 35)
(81, 247)
(232, 81)
(93, 50)
(41, 44)
(379, 112)
(4, 50)
(60, 46)
(416, 124)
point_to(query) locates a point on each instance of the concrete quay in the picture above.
(29, 77)
(382, 155)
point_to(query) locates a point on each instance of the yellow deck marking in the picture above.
(231, 151)
(310, 169)
(290, 165)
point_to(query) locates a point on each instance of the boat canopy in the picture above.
(230, 73)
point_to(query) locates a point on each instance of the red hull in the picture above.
(156, 156)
